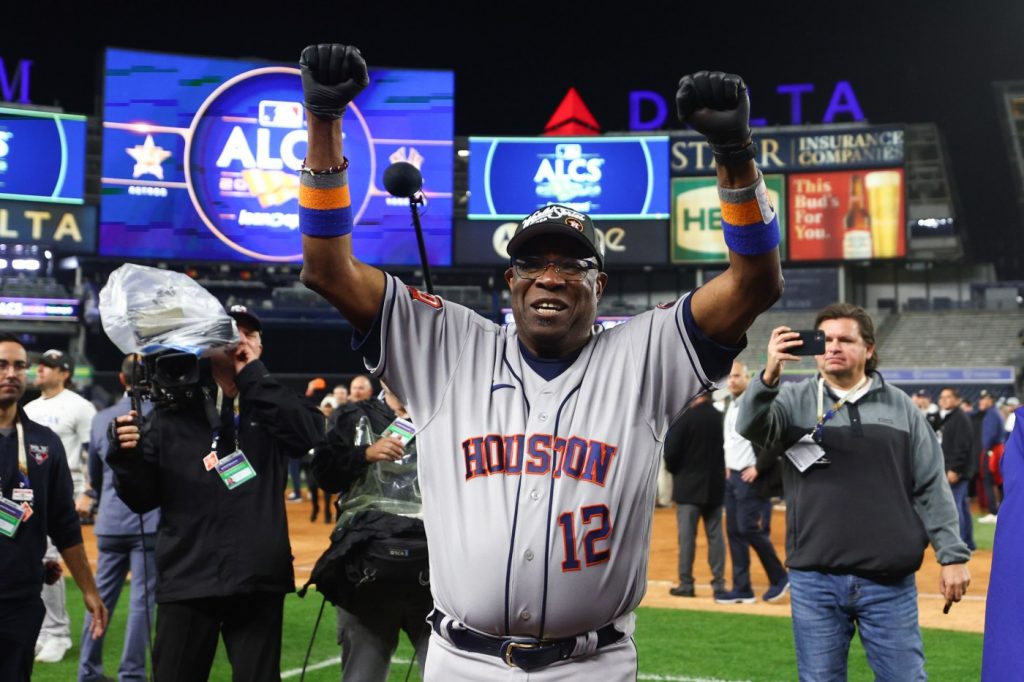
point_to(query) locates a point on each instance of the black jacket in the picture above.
(337, 461)
(695, 456)
(768, 483)
(959, 447)
(53, 508)
(213, 541)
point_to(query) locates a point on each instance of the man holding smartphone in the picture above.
(866, 491)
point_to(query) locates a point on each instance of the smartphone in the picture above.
(814, 342)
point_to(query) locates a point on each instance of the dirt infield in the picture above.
(309, 540)
(967, 616)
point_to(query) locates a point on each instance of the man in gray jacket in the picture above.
(865, 491)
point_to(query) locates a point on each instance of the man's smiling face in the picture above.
(553, 313)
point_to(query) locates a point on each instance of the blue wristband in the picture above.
(752, 240)
(750, 224)
(325, 206)
(316, 222)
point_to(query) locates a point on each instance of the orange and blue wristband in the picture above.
(750, 224)
(325, 205)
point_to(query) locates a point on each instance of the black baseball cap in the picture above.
(984, 394)
(557, 219)
(242, 315)
(921, 393)
(57, 359)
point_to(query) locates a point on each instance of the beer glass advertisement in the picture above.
(697, 219)
(849, 215)
(201, 160)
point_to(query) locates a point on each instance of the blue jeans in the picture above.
(748, 522)
(118, 554)
(826, 610)
(295, 471)
(963, 507)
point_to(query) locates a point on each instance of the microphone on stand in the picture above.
(402, 179)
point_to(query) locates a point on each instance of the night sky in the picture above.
(906, 62)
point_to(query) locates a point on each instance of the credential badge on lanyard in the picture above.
(235, 469)
(13, 514)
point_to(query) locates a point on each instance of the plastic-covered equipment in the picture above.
(148, 310)
(385, 486)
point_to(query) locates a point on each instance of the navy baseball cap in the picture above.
(57, 360)
(558, 220)
(242, 315)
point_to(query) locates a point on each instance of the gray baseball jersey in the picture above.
(538, 495)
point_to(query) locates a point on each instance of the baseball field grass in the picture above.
(984, 534)
(674, 646)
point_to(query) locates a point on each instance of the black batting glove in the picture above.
(332, 76)
(716, 105)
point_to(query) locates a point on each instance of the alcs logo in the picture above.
(272, 114)
(244, 148)
(569, 174)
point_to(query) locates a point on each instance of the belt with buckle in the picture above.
(524, 653)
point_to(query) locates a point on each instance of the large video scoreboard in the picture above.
(201, 159)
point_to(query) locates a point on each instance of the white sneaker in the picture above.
(53, 650)
(987, 518)
(40, 641)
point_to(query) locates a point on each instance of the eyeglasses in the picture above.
(18, 366)
(571, 269)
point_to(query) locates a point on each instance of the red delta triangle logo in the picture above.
(572, 117)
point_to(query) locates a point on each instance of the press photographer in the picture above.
(376, 570)
(218, 472)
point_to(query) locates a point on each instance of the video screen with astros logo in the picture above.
(201, 159)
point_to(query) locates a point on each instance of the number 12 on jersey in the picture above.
(596, 517)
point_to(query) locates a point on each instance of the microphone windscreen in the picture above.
(403, 179)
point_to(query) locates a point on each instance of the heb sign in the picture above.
(697, 219)
(948, 375)
(69, 229)
(796, 149)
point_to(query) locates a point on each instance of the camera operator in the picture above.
(222, 553)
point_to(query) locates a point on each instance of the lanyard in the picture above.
(823, 416)
(22, 457)
(219, 402)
